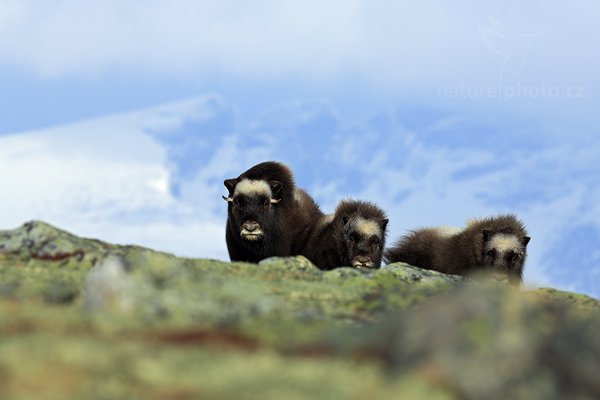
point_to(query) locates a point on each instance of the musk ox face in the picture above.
(251, 207)
(364, 241)
(504, 255)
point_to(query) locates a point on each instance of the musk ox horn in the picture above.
(275, 201)
(227, 199)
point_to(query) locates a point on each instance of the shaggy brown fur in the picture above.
(353, 236)
(267, 222)
(498, 244)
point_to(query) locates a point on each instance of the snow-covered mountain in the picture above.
(154, 176)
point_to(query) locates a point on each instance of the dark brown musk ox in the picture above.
(353, 236)
(496, 245)
(266, 213)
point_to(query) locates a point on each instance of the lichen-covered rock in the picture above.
(569, 298)
(487, 342)
(80, 318)
(37, 240)
(219, 293)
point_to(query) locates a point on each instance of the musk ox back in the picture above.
(353, 236)
(265, 212)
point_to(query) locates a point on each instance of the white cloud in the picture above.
(107, 178)
(42, 178)
(402, 43)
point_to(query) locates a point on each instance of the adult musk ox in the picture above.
(494, 244)
(265, 212)
(353, 236)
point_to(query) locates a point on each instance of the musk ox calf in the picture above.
(494, 244)
(266, 213)
(353, 236)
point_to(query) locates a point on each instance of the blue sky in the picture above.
(121, 121)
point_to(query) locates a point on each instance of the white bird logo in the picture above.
(513, 48)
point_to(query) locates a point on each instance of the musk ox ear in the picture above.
(384, 223)
(230, 184)
(276, 187)
(525, 240)
(486, 235)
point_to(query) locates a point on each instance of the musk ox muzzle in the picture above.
(363, 262)
(252, 231)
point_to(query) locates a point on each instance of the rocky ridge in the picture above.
(80, 318)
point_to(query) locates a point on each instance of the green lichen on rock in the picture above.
(37, 241)
(228, 294)
(488, 342)
(80, 318)
(569, 298)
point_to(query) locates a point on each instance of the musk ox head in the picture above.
(504, 254)
(363, 230)
(251, 206)
(364, 240)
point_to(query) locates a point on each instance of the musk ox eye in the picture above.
(237, 201)
(514, 257)
(354, 237)
(266, 202)
(375, 241)
(492, 253)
